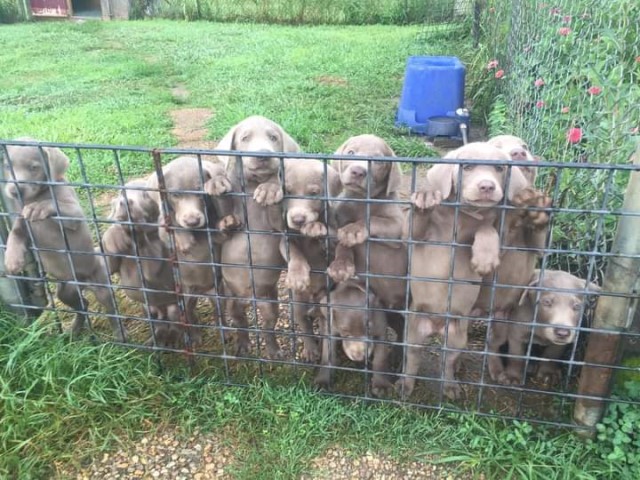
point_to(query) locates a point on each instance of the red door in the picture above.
(50, 8)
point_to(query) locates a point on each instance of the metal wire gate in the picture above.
(98, 175)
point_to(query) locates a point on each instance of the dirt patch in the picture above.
(337, 463)
(190, 127)
(332, 80)
(161, 455)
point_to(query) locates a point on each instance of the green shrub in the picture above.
(618, 439)
(10, 11)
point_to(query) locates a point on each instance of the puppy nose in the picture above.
(562, 332)
(192, 221)
(518, 153)
(298, 219)
(358, 172)
(487, 186)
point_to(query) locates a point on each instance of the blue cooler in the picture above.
(432, 101)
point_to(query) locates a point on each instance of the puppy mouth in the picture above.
(481, 202)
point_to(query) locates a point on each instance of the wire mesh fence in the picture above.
(365, 295)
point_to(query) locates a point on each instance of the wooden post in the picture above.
(613, 314)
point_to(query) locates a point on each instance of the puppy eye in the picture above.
(499, 168)
(546, 302)
(467, 167)
(313, 191)
(245, 138)
(351, 152)
(34, 167)
(577, 306)
(273, 138)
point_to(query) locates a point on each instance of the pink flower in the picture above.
(564, 110)
(564, 31)
(594, 90)
(574, 135)
(638, 59)
(539, 104)
(566, 19)
(539, 82)
(634, 130)
(555, 11)
(499, 74)
(492, 64)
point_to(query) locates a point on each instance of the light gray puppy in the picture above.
(155, 274)
(59, 228)
(252, 261)
(554, 322)
(311, 220)
(198, 210)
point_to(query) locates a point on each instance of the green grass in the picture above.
(65, 402)
(110, 82)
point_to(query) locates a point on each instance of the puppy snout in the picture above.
(357, 172)
(562, 333)
(487, 187)
(519, 153)
(192, 220)
(298, 219)
(12, 190)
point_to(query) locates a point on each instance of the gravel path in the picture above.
(206, 457)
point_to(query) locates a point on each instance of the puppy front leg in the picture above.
(298, 269)
(343, 266)
(323, 378)
(268, 193)
(17, 246)
(485, 251)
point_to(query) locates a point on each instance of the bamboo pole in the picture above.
(613, 314)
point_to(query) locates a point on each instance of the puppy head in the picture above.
(558, 312)
(134, 205)
(307, 178)
(186, 199)
(26, 164)
(257, 134)
(518, 150)
(385, 177)
(351, 323)
(482, 185)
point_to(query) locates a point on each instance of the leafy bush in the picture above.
(568, 76)
(341, 12)
(618, 439)
(10, 11)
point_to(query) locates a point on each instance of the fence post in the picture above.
(613, 314)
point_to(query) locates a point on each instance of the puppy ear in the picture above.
(443, 177)
(340, 164)
(289, 145)
(394, 181)
(211, 169)
(517, 182)
(533, 282)
(333, 182)
(152, 185)
(228, 142)
(58, 162)
(150, 207)
(590, 286)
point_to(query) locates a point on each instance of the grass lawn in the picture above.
(64, 402)
(111, 82)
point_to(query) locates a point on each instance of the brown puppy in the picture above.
(252, 261)
(352, 325)
(556, 319)
(201, 218)
(482, 189)
(308, 218)
(521, 228)
(362, 179)
(149, 282)
(58, 225)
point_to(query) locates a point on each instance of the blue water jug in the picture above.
(432, 101)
